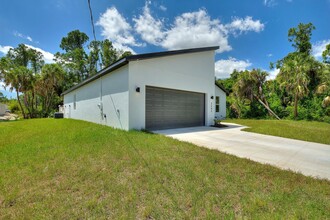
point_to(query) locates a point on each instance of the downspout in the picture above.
(101, 100)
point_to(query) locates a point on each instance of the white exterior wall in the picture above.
(3, 109)
(191, 72)
(108, 93)
(222, 95)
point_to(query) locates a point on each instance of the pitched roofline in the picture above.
(222, 88)
(125, 60)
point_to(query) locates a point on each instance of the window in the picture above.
(74, 102)
(217, 104)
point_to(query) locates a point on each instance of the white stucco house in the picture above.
(151, 91)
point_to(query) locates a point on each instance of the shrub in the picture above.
(13, 106)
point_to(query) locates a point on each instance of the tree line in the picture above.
(301, 90)
(39, 86)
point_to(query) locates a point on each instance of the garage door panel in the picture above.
(166, 108)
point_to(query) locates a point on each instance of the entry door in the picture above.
(168, 108)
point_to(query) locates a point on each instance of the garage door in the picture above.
(167, 108)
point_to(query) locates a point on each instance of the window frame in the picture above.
(217, 104)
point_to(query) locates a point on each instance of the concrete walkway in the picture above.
(308, 158)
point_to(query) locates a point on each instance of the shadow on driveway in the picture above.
(198, 129)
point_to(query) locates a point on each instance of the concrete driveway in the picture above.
(308, 158)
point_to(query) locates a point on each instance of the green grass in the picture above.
(67, 169)
(312, 131)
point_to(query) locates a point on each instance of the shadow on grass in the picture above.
(9, 121)
(146, 131)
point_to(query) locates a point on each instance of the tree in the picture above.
(229, 83)
(326, 54)
(27, 62)
(81, 65)
(294, 77)
(126, 54)
(324, 86)
(250, 86)
(75, 59)
(51, 78)
(301, 36)
(19, 56)
(14, 79)
(299, 64)
(74, 40)
(18, 71)
(93, 57)
(108, 53)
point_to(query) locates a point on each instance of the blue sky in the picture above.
(250, 34)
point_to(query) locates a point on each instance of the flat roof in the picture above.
(125, 60)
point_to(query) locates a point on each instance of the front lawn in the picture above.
(318, 132)
(67, 169)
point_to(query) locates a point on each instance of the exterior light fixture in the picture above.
(212, 97)
(137, 89)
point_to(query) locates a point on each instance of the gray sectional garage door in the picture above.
(167, 108)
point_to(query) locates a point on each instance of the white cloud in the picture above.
(270, 3)
(18, 34)
(196, 29)
(240, 25)
(115, 28)
(149, 28)
(223, 68)
(192, 29)
(163, 8)
(319, 47)
(48, 57)
(273, 73)
(5, 49)
(269, 55)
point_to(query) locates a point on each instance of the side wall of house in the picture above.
(222, 104)
(190, 72)
(103, 101)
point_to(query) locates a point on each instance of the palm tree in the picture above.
(324, 87)
(18, 71)
(51, 78)
(13, 82)
(250, 86)
(294, 77)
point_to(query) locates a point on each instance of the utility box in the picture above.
(58, 115)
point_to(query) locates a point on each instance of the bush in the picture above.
(326, 119)
(14, 106)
